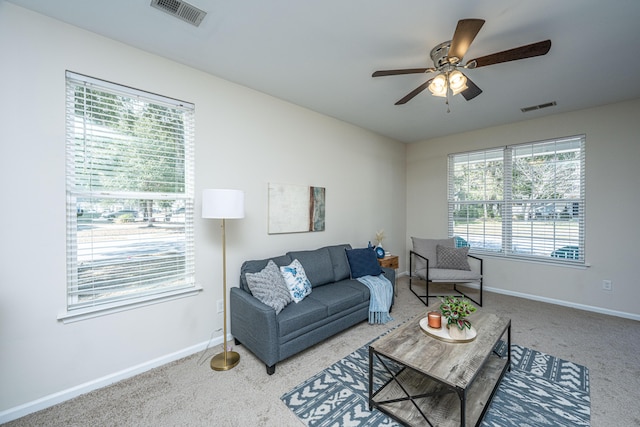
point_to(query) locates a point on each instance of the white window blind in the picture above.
(525, 201)
(130, 194)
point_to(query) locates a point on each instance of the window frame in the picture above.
(565, 219)
(180, 280)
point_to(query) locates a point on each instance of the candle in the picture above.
(434, 319)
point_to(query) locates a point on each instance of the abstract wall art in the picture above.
(295, 208)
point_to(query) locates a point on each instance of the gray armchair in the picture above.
(442, 261)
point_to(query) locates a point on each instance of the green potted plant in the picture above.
(455, 310)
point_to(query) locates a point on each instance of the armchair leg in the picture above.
(479, 302)
(271, 369)
(423, 298)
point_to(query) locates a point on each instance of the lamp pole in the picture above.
(227, 359)
(223, 204)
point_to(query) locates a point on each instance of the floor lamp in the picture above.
(223, 204)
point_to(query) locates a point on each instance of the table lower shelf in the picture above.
(442, 408)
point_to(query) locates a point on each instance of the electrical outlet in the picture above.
(220, 306)
(606, 285)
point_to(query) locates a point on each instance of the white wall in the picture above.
(612, 231)
(244, 140)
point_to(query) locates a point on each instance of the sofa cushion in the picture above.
(256, 266)
(269, 287)
(317, 265)
(339, 261)
(427, 248)
(452, 258)
(362, 289)
(298, 316)
(337, 297)
(363, 262)
(296, 280)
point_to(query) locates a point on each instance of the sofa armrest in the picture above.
(389, 273)
(254, 325)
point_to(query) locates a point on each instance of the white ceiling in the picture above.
(320, 54)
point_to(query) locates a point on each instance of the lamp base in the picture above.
(218, 362)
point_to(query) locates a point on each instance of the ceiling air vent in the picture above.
(181, 10)
(538, 107)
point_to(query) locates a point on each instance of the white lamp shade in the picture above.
(227, 204)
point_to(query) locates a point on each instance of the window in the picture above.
(130, 195)
(524, 201)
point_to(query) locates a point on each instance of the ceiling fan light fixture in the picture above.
(457, 82)
(447, 58)
(438, 86)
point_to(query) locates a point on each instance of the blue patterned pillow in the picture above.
(296, 279)
(363, 262)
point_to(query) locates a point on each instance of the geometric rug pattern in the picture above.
(540, 390)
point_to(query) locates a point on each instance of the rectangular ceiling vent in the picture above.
(538, 107)
(181, 10)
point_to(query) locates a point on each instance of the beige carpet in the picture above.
(189, 393)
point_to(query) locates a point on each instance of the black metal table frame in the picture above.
(461, 392)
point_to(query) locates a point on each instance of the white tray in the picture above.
(443, 333)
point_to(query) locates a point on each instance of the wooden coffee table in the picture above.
(442, 383)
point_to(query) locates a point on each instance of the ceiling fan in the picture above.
(447, 59)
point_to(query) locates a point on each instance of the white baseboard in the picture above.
(563, 303)
(594, 309)
(64, 395)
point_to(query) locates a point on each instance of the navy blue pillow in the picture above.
(363, 262)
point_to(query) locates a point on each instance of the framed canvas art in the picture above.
(295, 208)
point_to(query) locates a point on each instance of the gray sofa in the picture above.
(336, 303)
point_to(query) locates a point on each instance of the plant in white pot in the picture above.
(456, 310)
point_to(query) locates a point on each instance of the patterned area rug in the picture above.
(540, 390)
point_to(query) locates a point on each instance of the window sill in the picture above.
(106, 309)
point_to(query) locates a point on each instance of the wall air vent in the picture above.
(538, 107)
(181, 10)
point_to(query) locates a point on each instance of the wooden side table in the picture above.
(390, 261)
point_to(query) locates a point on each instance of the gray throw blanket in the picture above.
(381, 291)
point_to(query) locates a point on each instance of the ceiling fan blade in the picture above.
(405, 71)
(471, 91)
(528, 51)
(466, 31)
(414, 92)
